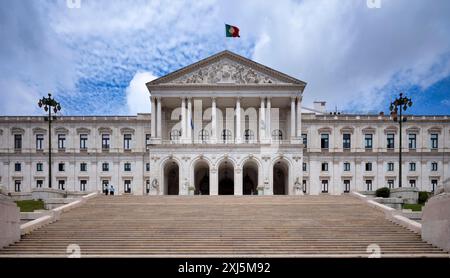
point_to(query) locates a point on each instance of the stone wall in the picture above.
(9, 221)
(436, 221)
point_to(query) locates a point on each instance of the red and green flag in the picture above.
(231, 31)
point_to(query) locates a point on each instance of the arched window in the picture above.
(277, 135)
(249, 135)
(203, 135)
(226, 135)
(175, 135)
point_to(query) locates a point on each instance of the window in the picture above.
(369, 185)
(434, 166)
(105, 185)
(390, 166)
(368, 141)
(83, 167)
(412, 140)
(433, 185)
(17, 167)
(105, 141)
(346, 141)
(83, 141)
(105, 167)
(434, 140)
(390, 184)
(305, 140)
(127, 167)
(17, 141)
(324, 140)
(324, 186)
(17, 185)
(304, 167)
(127, 186)
(83, 185)
(390, 140)
(39, 167)
(249, 135)
(226, 135)
(61, 184)
(61, 167)
(203, 135)
(346, 186)
(61, 141)
(369, 166)
(412, 166)
(174, 135)
(304, 186)
(346, 166)
(39, 183)
(147, 167)
(412, 183)
(324, 166)
(277, 135)
(147, 139)
(127, 141)
(39, 141)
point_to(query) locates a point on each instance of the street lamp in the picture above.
(397, 106)
(49, 103)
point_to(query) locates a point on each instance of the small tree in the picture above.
(383, 192)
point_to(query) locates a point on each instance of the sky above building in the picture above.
(96, 56)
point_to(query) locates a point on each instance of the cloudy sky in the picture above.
(97, 57)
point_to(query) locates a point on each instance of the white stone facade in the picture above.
(224, 125)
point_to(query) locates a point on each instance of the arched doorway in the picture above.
(226, 178)
(250, 178)
(201, 178)
(280, 178)
(171, 178)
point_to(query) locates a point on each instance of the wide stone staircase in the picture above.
(234, 226)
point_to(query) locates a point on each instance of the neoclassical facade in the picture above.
(224, 126)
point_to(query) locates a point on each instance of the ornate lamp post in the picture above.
(49, 103)
(396, 107)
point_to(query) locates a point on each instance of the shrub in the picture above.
(424, 196)
(383, 192)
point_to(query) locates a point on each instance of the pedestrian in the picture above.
(111, 190)
(105, 189)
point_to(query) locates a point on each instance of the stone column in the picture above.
(158, 118)
(238, 120)
(238, 181)
(213, 121)
(183, 119)
(293, 131)
(262, 121)
(153, 123)
(269, 118)
(299, 117)
(213, 181)
(189, 120)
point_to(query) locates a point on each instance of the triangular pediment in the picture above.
(226, 68)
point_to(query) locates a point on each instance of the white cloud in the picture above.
(445, 102)
(137, 93)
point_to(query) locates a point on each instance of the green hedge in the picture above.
(424, 196)
(30, 205)
(383, 192)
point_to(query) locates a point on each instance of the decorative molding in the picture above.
(296, 158)
(102, 130)
(347, 129)
(390, 129)
(83, 130)
(17, 130)
(413, 129)
(325, 130)
(435, 129)
(368, 130)
(126, 130)
(61, 130)
(39, 130)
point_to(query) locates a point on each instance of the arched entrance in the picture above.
(226, 178)
(201, 178)
(250, 178)
(171, 178)
(280, 177)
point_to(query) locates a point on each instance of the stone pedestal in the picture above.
(395, 203)
(9, 221)
(409, 195)
(436, 221)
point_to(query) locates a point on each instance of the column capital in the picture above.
(214, 98)
(299, 98)
(158, 98)
(238, 98)
(269, 98)
(293, 98)
(189, 98)
(183, 98)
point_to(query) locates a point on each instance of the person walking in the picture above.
(111, 190)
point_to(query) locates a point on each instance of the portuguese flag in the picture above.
(231, 31)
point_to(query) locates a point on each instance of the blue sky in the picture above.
(97, 58)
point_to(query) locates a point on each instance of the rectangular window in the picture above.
(17, 185)
(324, 140)
(105, 167)
(368, 141)
(433, 185)
(304, 186)
(39, 167)
(83, 167)
(127, 167)
(346, 186)
(39, 141)
(390, 140)
(105, 141)
(127, 186)
(61, 167)
(369, 166)
(304, 166)
(324, 186)
(83, 185)
(325, 166)
(346, 166)
(147, 167)
(390, 166)
(434, 140)
(83, 141)
(412, 141)
(346, 141)
(61, 184)
(412, 166)
(17, 141)
(61, 141)
(17, 167)
(127, 141)
(39, 183)
(434, 166)
(412, 183)
(305, 140)
(147, 139)
(369, 185)
(390, 184)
